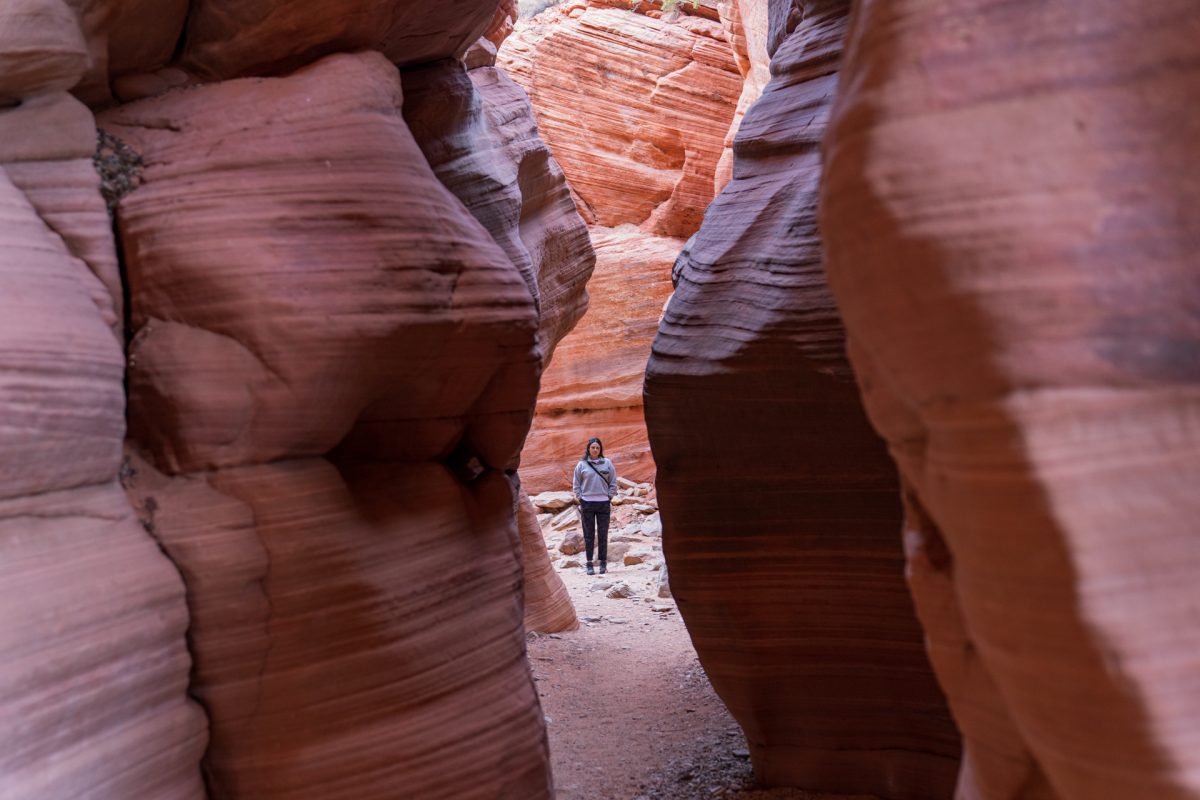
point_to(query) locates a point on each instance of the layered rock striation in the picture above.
(338, 410)
(334, 342)
(1002, 212)
(93, 682)
(635, 107)
(780, 507)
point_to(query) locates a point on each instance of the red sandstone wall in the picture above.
(780, 508)
(635, 107)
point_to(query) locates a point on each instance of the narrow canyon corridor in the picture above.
(873, 325)
(629, 712)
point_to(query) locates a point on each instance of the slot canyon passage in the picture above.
(887, 311)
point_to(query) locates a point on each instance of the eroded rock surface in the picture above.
(634, 108)
(1020, 293)
(780, 507)
(594, 385)
(361, 588)
(94, 674)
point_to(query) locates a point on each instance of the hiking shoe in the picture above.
(591, 571)
(603, 567)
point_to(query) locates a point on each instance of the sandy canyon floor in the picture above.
(630, 712)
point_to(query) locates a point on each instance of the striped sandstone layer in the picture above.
(780, 506)
(1003, 217)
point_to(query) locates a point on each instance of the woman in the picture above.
(595, 485)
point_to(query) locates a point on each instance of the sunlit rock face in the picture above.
(747, 29)
(594, 385)
(780, 507)
(635, 106)
(334, 362)
(1020, 290)
(94, 671)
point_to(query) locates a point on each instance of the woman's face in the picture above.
(594, 449)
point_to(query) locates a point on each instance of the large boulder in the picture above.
(1004, 212)
(780, 507)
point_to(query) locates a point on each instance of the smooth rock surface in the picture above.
(1002, 206)
(357, 664)
(476, 129)
(245, 354)
(548, 607)
(94, 674)
(231, 38)
(779, 504)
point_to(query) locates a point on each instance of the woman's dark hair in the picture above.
(588, 446)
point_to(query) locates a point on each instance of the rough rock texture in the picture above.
(94, 673)
(634, 108)
(548, 606)
(779, 505)
(1004, 211)
(594, 386)
(227, 38)
(317, 299)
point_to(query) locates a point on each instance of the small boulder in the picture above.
(572, 543)
(552, 501)
(616, 551)
(636, 557)
(664, 584)
(569, 563)
(652, 525)
(565, 519)
(619, 590)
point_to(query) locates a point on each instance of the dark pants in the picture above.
(595, 514)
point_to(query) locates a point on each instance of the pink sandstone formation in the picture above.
(94, 672)
(594, 385)
(229, 38)
(377, 589)
(1006, 215)
(780, 507)
(477, 132)
(548, 607)
(332, 368)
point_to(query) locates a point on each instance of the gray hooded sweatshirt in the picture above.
(588, 485)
